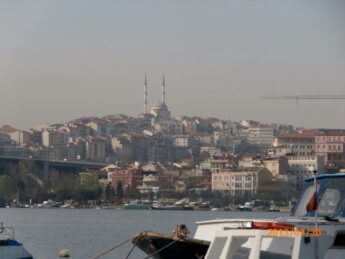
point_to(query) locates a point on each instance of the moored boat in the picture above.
(310, 232)
(274, 208)
(172, 246)
(9, 247)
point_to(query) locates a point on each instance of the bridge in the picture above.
(58, 163)
(65, 166)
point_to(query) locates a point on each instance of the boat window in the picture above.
(332, 199)
(240, 247)
(302, 206)
(339, 241)
(217, 248)
(276, 247)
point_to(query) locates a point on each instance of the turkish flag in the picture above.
(312, 204)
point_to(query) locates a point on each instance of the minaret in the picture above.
(163, 90)
(145, 95)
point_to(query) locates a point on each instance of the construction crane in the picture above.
(304, 97)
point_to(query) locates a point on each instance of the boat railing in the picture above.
(7, 231)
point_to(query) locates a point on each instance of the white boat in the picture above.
(9, 247)
(302, 235)
(248, 206)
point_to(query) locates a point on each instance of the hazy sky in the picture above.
(64, 59)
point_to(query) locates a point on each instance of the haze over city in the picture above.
(61, 60)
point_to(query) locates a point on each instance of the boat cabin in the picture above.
(261, 244)
(303, 235)
(330, 196)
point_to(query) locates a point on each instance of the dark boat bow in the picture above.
(177, 245)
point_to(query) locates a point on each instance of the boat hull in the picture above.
(186, 248)
(171, 208)
(10, 249)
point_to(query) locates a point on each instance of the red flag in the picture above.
(312, 204)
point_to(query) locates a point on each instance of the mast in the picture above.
(163, 90)
(145, 95)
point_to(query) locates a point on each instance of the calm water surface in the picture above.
(88, 232)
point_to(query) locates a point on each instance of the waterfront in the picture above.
(88, 232)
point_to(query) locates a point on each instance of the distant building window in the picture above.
(248, 185)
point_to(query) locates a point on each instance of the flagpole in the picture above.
(315, 185)
(316, 217)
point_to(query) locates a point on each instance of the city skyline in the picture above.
(219, 60)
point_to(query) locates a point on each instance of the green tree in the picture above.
(109, 193)
(119, 190)
(8, 188)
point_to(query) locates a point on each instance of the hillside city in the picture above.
(156, 156)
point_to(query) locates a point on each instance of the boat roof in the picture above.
(325, 176)
(288, 219)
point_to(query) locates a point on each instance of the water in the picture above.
(88, 232)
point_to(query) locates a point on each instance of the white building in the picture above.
(241, 182)
(52, 138)
(249, 161)
(95, 149)
(301, 166)
(300, 144)
(182, 141)
(260, 137)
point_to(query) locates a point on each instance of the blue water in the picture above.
(88, 232)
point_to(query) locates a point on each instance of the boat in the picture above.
(9, 247)
(309, 232)
(178, 244)
(315, 229)
(248, 206)
(135, 205)
(179, 205)
(170, 207)
(274, 208)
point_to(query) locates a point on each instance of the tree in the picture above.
(109, 193)
(8, 188)
(119, 190)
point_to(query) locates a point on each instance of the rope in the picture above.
(164, 247)
(111, 249)
(130, 251)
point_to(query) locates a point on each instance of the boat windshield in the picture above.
(240, 247)
(333, 199)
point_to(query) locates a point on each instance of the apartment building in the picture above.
(331, 146)
(260, 137)
(241, 182)
(301, 144)
(303, 166)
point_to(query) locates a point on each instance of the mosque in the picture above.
(160, 110)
